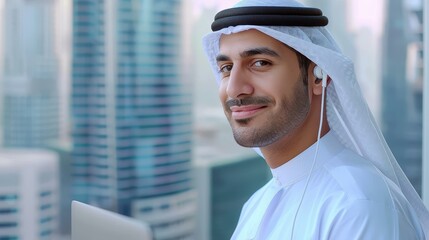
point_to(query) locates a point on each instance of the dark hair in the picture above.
(304, 63)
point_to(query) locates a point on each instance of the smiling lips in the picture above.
(245, 112)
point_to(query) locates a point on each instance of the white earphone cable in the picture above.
(324, 83)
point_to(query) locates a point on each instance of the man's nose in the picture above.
(239, 83)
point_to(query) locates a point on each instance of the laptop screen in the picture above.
(89, 223)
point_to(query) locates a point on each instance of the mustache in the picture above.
(247, 101)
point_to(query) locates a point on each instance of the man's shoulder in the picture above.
(357, 178)
(361, 193)
(351, 180)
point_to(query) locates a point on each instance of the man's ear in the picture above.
(316, 75)
(317, 87)
(314, 82)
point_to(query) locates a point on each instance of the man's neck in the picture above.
(292, 145)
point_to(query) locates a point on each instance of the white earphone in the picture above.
(320, 74)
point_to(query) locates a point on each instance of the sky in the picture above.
(366, 14)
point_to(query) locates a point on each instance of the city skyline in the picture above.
(362, 30)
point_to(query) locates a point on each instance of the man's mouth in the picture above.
(245, 112)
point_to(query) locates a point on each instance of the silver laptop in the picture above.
(92, 223)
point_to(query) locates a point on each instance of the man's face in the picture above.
(262, 91)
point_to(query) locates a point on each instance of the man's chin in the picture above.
(247, 142)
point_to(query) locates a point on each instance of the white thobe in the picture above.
(346, 198)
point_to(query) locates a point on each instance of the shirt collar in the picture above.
(298, 167)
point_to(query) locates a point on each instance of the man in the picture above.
(334, 177)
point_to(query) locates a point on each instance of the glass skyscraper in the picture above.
(401, 102)
(30, 75)
(131, 109)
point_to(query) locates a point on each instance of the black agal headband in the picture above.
(269, 16)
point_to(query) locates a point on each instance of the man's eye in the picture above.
(261, 63)
(225, 68)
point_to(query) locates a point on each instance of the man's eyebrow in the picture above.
(222, 58)
(249, 53)
(257, 51)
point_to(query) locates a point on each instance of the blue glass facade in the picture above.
(30, 121)
(248, 174)
(131, 107)
(402, 102)
(88, 98)
(30, 111)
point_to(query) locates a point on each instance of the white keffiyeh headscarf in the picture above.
(348, 114)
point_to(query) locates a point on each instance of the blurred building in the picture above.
(414, 135)
(367, 67)
(28, 195)
(63, 151)
(226, 176)
(29, 91)
(131, 109)
(401, 102)
(205, 93)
